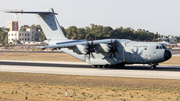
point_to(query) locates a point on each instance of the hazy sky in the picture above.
(161, 16)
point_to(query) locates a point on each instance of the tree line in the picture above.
(96, 32)
(92, 32)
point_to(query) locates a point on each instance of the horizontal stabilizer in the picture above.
(30, 12)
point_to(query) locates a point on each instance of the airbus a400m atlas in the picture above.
(100, 53)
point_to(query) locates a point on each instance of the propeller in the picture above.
(113, 48)
(90, 49)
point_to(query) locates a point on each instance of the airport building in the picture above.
(24, 37)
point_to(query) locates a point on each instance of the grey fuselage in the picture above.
(129, 52)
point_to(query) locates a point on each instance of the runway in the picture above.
(75, 68)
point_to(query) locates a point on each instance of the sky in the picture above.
(162, 16)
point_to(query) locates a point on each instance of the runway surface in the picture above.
(175, 52)
(75, 68)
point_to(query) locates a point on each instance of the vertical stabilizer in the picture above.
(50, 25)
(48, 22)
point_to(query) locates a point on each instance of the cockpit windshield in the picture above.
(161, 47)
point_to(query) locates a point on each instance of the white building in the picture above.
(28, 36)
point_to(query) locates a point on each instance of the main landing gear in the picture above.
(100, 66)
(121, 65)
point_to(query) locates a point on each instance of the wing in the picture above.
(73, 43)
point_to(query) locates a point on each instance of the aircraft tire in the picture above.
(104, 66)
(153, 67)
(95, 66)
(122, 65)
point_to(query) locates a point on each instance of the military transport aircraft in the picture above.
(100, 53)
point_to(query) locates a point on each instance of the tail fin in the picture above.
(48, 22)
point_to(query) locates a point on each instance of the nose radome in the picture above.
(167, 55)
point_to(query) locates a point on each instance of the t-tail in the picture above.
(48, 22)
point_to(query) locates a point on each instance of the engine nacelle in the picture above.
(79, 49)
(102, 48)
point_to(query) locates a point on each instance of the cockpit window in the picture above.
(161, 47)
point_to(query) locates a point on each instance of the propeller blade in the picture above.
(87, 43)
(132, 50)
(137, 50)
(92, 55)
(90, 49)
(110, 55)
(141, 53)
(92, 43)
(89, 57)
(114, 54)
(113, 48)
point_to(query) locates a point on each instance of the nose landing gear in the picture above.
(153, 66)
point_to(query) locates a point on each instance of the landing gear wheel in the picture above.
(99, 66)
(153, 67)
(122, 65)
(95, 66)
(104, 66)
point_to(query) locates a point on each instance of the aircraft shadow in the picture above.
(44, 64)
(127, 67)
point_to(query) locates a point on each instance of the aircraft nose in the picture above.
(167, 55)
